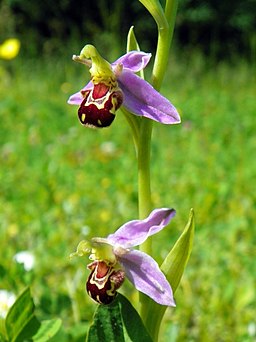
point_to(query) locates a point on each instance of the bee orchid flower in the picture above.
(113, 259)
(115, 85)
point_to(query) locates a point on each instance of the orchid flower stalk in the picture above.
(165, 20)
(115, 86)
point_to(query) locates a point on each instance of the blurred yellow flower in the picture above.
(10, 48)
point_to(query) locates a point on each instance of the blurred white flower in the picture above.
(6, 300)
(252, 329)
(26, 258)
(85, 230)
(108, 148)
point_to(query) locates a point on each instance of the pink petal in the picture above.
(145, 274)
(77, 98)
(134, 60)
(143, 100)
(135, 232)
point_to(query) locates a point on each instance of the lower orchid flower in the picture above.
(113, 259)
(116, 84)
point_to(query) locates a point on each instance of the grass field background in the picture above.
(61, 182)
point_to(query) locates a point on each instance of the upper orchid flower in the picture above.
(116, 84)
(113, 259)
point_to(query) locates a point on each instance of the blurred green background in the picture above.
(61, 182)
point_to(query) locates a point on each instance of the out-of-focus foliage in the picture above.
(219, 28)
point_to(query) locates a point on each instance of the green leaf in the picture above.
(2, 330)
(107, 324)
(176, 261)
(78, 331)
(47, 329)
(21, 322)
(133, 322)
(110, 321)
(173, 267)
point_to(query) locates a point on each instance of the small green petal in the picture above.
(100, 67)
(133, 120)
(84, 247)
(101, 250)
(132, 43)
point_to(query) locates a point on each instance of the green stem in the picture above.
(134, 124)
(165, 33)
(161, 59)
(170, 14)
(144, 190)
(144, 152)
(144, 146)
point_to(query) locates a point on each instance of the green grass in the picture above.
(61, 183)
